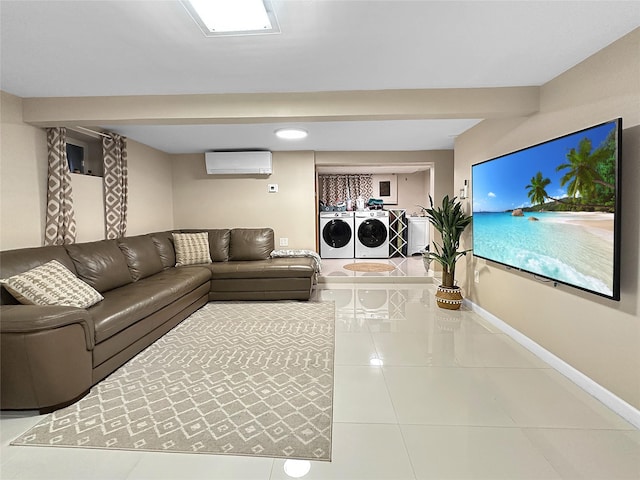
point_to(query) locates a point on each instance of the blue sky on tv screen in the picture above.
(499, 184)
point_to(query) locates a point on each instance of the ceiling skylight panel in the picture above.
(233, 17)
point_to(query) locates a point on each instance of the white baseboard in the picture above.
(615, 403)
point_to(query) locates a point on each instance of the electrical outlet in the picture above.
(284, 242)
(272, 188)
(476, 276)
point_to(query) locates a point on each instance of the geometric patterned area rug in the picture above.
(236, 378)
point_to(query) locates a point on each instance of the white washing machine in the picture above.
(372, 234)
(337, 235)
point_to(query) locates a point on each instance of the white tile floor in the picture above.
(420, 393)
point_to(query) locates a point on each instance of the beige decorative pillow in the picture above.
(51, 284)
(191, 248)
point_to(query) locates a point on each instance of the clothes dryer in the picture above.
(337, 237)
(372, 234)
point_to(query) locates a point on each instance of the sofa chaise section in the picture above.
(251, 273)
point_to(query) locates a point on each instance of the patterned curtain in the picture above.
(116, 185)
(60, 225)
(337, 188)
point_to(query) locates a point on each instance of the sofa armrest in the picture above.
(46, 356)
(36, 318)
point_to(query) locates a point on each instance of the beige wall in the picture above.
(221, 201)
(23, 178)
(413, 190)
(23, 183)
(150, 189)
(600, 338)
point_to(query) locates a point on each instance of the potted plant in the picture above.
(450, 220)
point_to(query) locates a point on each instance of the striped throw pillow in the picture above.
(51, 284)
(191, 248)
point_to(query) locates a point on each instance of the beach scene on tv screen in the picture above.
(549, 209)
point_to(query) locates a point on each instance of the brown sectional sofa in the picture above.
(52, 355)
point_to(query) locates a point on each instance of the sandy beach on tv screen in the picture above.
(599, 222)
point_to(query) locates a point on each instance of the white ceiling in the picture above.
(102, 48)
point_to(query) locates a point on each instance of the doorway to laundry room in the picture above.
(376, 196)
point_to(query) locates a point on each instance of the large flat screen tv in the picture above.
(553, 209)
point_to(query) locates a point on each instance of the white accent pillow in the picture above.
(51, 284)
(191, 248)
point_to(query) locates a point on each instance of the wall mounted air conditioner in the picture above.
(238, 163)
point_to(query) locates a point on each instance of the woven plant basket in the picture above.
(449, 298)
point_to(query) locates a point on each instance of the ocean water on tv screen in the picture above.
(573, 248)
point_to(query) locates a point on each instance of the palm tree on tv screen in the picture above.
(537, 193)
(583, 175)
(590, 178)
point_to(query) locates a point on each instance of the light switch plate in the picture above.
(272, 188)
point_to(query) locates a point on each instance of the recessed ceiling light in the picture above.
(233, 17)
(291, 133)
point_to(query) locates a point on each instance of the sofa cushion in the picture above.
(124, 306)
(250, 244)
(51, 284)
(270, 268)
(191, 248)
(164, 246)
(218, 243)
(141, 255)
(101, 264)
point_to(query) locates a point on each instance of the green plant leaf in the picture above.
(450, 221)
